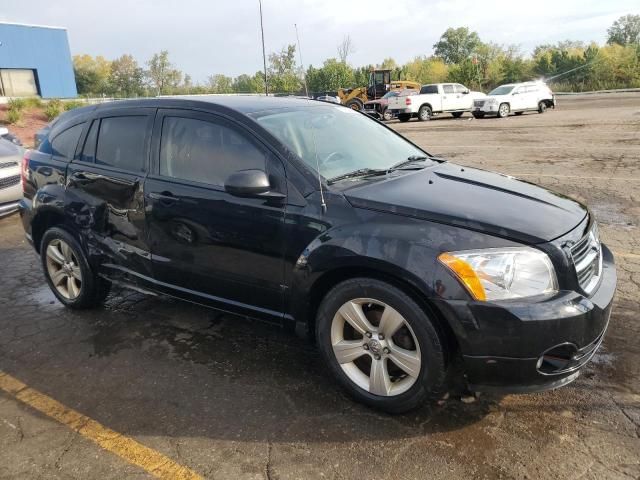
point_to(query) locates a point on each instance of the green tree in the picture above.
(163, 77)
(220, 84)
(282, 71)
(92, 74)
(127, 78)
(333, 75)
(456, 44)
(625, 30)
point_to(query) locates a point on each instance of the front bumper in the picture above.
(521, 347)
(10, 198)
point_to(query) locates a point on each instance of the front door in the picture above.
(208, 245)
(104, 188)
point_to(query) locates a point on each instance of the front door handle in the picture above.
(164, 197)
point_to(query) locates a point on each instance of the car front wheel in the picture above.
(380, 345)
(68, 273)
(503, 110)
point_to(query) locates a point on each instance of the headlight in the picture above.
(502, 273)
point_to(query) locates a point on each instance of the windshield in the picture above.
(390, 94)
(503, 90)
(344, 139)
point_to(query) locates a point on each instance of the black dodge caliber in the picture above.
(304, 212)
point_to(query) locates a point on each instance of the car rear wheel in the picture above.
(424, 113)
(404, 117)
(457, 114)
(478, 115)
(380, 345)
(503, 110)
(542, 107)
(68, 273)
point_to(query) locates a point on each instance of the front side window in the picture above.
(65, 143)
(502, 90)
(460, 88)
(337, 139)
(205, 151)
(121, 142)
(447, 88)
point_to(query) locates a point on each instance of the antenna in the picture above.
(323, 204)
(264, 55)
(304, 74)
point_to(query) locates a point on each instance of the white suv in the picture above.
(515, 98)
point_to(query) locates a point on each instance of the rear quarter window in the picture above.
(64, 144)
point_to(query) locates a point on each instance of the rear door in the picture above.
(207, 244)
(104, 188)
(449, 99)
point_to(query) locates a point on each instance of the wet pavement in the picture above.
(233, 398)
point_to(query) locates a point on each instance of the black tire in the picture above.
(457, 114)
(478, 115)
(93, 289)
(503, 112)
(386, 115)
(355, 104)
(519, 113)
(425, 113)
(542, 107)
(404, 117)
(428, 382)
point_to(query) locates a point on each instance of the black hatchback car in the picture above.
(304, 212)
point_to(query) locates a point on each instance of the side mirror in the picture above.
(4, 131)
(515, 93)
(465, 92)
(250, 183)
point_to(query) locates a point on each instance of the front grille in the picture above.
(9, 181)
(7, 164)
(587, 259)
(478, 103)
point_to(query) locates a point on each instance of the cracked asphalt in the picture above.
(232, 398)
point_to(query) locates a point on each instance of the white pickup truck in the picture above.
(435, 98)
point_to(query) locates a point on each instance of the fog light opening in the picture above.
(557, 359)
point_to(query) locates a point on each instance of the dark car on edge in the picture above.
(399, 263)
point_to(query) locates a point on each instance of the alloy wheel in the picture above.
(375, 347)
(504, 110)
(64, 269)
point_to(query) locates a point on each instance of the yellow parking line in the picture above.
(146, 458)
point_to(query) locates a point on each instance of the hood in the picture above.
(475, 199)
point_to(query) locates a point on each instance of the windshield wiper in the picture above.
(409, 161)
(361, 172)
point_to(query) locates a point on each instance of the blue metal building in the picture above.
(35, 60)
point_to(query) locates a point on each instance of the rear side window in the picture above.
(205, 151)
(89, 148)
(121, 142)
(429, 89)
(64, 144)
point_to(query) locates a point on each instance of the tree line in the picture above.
(459, 56)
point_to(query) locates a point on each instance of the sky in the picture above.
(223, 36)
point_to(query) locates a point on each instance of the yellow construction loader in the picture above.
(379, 84)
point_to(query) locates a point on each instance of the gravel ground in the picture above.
(232, 398)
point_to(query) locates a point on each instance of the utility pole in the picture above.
(264, 55)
